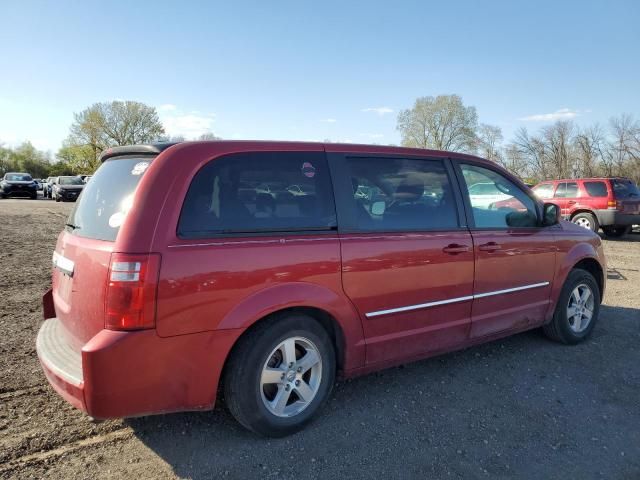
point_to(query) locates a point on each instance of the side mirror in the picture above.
(550, 214)
(378, 208)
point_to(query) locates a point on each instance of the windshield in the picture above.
(17, 177)
(107, 198)
(70, 181)
(624, 188)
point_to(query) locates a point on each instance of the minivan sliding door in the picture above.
(407, 260)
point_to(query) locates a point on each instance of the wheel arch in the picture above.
(332, 311)
(592, 266)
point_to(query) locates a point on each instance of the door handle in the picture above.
(489, 247)
(454, 249)
(571, 202)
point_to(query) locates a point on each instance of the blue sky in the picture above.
(303, 70)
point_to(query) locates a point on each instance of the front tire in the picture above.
(577, 310)
(586, 220)
(279, 374)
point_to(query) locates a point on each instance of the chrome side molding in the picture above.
(454, 300)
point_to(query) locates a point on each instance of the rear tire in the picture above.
(586, 220)
(580, 295)
(267, 376)
(616, 231)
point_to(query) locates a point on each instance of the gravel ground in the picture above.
(520, 407)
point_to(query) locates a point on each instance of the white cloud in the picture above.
(562, 114)
(189, 125)
(372, 136)
(167, 107)
(329, 120)
(379, 110)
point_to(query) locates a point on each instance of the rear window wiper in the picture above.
(72, 226)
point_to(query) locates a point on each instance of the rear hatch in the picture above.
(83, 252)
(627, 195)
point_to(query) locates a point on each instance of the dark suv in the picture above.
(612, 204)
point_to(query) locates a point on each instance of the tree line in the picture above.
(560, 150)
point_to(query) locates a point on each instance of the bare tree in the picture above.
(488, 140)
(591, 151)
(441, 123)
(625, 146)
(208, 136)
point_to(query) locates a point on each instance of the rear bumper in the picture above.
(613, 217)
(127, 374)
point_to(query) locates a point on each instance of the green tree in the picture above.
(27, 158)
(109, 124)
(441, 123)
(80, 158)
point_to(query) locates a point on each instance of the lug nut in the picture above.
(299, 369)
(297, 382)
(287, 387)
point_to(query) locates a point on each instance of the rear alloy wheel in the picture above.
(616, 231)
(279, 374)
(586, 220)
(577, 309)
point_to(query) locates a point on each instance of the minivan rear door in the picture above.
(83, 251)
(407, 260)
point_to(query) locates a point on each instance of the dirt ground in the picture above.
(520, 407)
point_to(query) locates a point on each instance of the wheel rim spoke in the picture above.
(577, 322)
(586, 293)
(289, 351)
(310, 359)
(279, 402)
(271, 375)
(304, 391)
(587, 313)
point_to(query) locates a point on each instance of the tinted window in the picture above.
(567, 190)
(17, 177)
(71, 181)
(259, 192)
(502, 205)
(624, 188)
(400, 194)
(105, 201)
(544, 190)
(596, 189)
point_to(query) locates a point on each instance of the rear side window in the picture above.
(596, 189)
(259, 192)
(624, 188)
(391, 194)
(544, 191)
(567, 190)
(106, 199)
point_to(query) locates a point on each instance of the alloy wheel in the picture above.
(580, 308)
(291, 377)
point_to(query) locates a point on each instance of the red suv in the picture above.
(271, 268)
(612, 204)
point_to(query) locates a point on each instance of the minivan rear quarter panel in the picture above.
(202, 285)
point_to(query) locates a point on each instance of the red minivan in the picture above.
(610, 203)
(271, 268)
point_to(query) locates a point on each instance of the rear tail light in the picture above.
(614, 205)
(130, 302)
